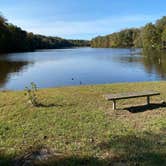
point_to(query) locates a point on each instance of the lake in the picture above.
(79, 66)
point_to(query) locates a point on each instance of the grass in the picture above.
(79, 125)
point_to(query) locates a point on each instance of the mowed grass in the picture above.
(79, 125)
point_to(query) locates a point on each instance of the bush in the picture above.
(31, 92)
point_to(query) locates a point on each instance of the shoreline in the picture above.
(87, 85)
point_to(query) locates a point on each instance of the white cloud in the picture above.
(71, 28)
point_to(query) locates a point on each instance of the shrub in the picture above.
(31, 92)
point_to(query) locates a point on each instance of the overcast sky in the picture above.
(81, 19)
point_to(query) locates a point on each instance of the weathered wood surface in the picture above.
(130, 95)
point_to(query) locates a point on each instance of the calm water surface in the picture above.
(63, 67)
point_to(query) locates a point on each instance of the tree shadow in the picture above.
(147, 149)
(143, 108)
(43, 156)
(144, 149)
(53, 105)
(74, 161)
(35, 158)
(5, 160)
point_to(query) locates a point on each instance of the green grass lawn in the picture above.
(80, 127)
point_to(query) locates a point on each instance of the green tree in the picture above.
(163, 38)
(150, 37)
(3, 20)
(4, 34)
(161, 24)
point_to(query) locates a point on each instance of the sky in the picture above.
(81, 19)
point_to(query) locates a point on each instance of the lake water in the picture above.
(64, 67)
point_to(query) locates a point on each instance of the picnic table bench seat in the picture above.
(119, 96)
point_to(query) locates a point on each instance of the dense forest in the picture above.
(151, 36)
(13, 38)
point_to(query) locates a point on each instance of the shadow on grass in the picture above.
(53, 105)
(143, 108)
(74, 161)
(147, 149)
(57, 161)
(43, 156)
(142, 149)
(153, 159)
(5, 160)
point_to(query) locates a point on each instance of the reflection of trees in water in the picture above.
(7, 68)
(155, 61)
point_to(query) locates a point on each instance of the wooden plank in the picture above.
(130, 95)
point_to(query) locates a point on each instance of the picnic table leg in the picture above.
(114, 104)
(148, 100)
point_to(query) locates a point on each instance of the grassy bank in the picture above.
(79, 126)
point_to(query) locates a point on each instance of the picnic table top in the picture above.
(130, 95)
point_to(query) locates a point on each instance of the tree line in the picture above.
(13, 38)
(151, 36)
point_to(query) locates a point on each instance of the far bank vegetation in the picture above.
(151, 36)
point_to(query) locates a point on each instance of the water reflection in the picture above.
(63, 67)
(152, 61)
(155, 61)
(7, 68)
